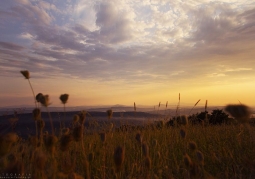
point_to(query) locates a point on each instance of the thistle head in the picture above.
(183, 133)
(77, 133)
(25, 73)
(118, 157)
(45, 100)
(37, 114)
(103, 137)
(65, 142)
(139, 138)
(38, 97)
(64, 98)
(240, 112)
(192, 145)
(109, 113)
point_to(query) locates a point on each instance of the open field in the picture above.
(154, 151)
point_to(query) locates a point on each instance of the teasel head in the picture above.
(145, 149)
(118, 157)
(147, 162)
(240, 112)
(192, 146)
(82, 116)
(200, 157)
(38, 97)
(187, 161)
(103, 137)
(37, 114)
(65, 131)
(139, 138)
(183, 133)
(45, 100)
(76, 118)
(184, 120)
(64, 98)
(50, 143)
(25, 73)
(77, 133)
(65, 142)
(109, 113)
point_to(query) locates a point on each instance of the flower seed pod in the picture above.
(82, 116)
(192, 146)
(187, 161)
(77, 133)
(37, 114)
(65, 142)
(200, 157)
(183, 133)
(118, 157)
(45, 100)
(109, 113)
(64, 98)
(240, 112)
(38, 97)
(103, 137)
(25, 74)
(75, 118)
(139, 138)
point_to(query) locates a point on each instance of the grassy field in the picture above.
(203, 150)
(210, 151)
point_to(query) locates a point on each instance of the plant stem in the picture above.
(32, 91)
(51, 123)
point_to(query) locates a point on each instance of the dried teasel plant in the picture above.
(119, 155)
(64, 98)
(239, 111)
(26, 74)
(109, 113)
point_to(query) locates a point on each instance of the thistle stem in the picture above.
(32, 91)
(51, 123)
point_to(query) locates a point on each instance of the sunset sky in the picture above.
(125, 51)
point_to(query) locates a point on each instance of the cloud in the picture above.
(11, 46)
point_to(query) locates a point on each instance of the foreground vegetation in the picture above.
(182, 150)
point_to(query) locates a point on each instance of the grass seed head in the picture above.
(25, 73)
(118, 157)
(64, 98)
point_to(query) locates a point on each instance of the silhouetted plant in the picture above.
(218, 117)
